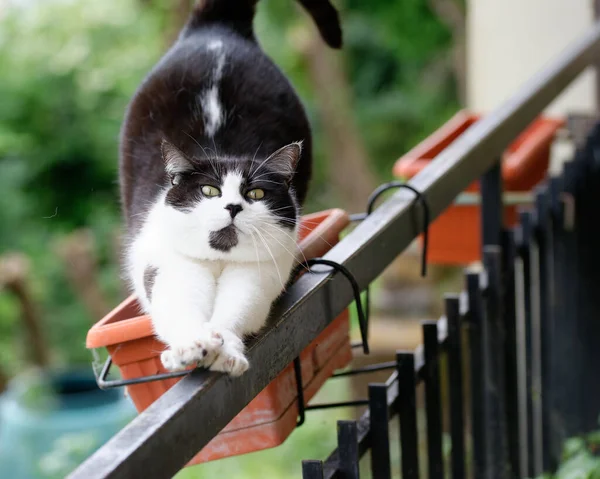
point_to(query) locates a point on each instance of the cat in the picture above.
(215, 163)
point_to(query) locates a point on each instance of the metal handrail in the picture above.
(172, 430)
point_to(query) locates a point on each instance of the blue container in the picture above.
(51, 422)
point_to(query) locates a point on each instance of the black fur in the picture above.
(224, 239)
(238, 15)
(263, 113)
(149, 276)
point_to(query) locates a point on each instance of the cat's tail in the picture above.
(239, 14)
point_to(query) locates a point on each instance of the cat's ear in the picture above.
(176, 163)
(285, 159)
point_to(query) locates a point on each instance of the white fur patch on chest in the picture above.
(210, 104)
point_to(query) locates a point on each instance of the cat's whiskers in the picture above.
(294, 256)
(291, 237)
(213, 166)
(301, 227)
(266, 222)
(215, 145)
(281, 230)
(257, 256)
(254, 178)
(267, 181)
(261, 237)
(254, 157)
(289, 207)
(252, 173)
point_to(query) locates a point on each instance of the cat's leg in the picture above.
(245, 294)
(181, 303)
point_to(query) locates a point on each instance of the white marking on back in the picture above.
(211, 107)
(209, 100)
(215, 44)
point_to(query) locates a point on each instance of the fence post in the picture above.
(509, 317)
(542, 313)
(523, 337)
(347, 432)
(455, 380)
(407, 410)
(564, 411)
(587, 232)
(312, 469)
(494, 334)
(380, 440)
(494, 339)
(433, 400)
(589, 255)
(492, 211)
(476, 356)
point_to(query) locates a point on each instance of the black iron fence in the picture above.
(527, 329)
(531, 361)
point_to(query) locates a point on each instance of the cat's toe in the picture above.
(234, 364)
(171, 360)
(211, 345)
(195, 354)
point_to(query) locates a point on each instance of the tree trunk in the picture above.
(77, 252)
(179, 14)
(349, 169)
(451, 12)
(14, 271)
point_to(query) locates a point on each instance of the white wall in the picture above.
(508, 41)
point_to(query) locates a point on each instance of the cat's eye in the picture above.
(255, 194)
(210, 191)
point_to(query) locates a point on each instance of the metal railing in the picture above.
(172, 430)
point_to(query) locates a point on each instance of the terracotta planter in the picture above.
(455, 236)
(270, 418)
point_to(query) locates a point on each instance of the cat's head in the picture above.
(243, 209)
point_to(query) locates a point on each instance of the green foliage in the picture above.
(580, 458)
(68, 70)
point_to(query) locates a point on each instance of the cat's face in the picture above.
(232, 208)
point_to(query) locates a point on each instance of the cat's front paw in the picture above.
(231, 358)
(233, 363)
(200, 352)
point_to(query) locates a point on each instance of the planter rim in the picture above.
(523, 146)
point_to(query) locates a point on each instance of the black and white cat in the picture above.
(215, 163)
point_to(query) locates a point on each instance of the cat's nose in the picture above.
(233, 209)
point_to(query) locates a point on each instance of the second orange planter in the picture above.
(271, 417)
(455, 236)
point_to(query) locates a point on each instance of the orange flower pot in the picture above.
(271, 417)
(455, 236)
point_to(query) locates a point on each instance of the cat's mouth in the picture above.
(224, 239)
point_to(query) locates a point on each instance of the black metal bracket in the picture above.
(104, 383)
(303, 407)
(362, 314)
(363, 318)
(363, 321)
(418, 196)
(370, 206)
